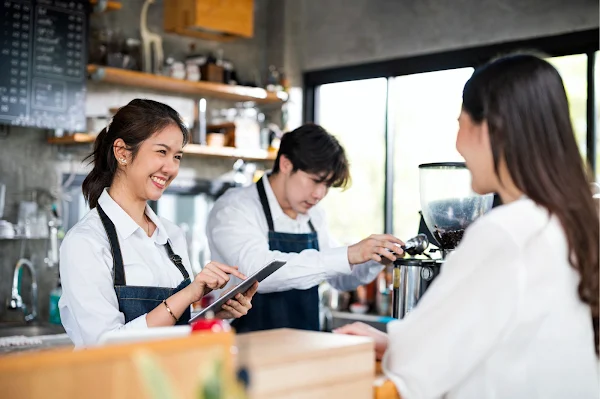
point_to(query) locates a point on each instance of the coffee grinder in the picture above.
(448, 207)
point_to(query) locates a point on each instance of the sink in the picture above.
(30, 329)
(46, 336)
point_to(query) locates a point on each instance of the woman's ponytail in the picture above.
(104, 170)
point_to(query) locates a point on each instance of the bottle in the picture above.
(53, 308)
(284, 82)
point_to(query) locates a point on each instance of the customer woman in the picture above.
(122, 267)
(514, 313)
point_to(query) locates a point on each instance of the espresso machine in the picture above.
(448, 207)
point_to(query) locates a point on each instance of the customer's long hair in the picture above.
(134, 123)
(523, 101)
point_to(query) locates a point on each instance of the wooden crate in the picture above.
(210, 19)
(296, 364)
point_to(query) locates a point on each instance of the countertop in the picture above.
(32, 336)
(32, 344)
(284, 363)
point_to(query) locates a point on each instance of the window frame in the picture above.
(580, 42)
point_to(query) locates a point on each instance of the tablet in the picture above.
(242, 287)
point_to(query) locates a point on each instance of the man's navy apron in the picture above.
(286, 309)
(135, 301)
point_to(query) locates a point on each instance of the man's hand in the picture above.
(377, 247)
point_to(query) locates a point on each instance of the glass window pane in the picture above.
(425, 109)
(597, 99)
(354, 112)
(573, 70)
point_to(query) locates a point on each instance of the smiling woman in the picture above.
(122, 267)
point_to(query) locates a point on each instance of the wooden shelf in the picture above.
(110, 6)
(77, 138)
(164, 83)
(192, 149)
(229, 152)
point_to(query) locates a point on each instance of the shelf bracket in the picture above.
(100, 6)
(98, 75)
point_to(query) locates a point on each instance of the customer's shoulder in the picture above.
(521, 214)
(518, 221)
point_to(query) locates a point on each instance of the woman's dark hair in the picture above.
(312, 149)
(133, 123)
(523, 101)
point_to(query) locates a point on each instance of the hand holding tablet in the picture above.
(212, 277)
(241, 288)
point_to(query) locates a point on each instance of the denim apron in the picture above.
(135, 301)
(287, 309)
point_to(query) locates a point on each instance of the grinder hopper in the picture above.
(448, 203)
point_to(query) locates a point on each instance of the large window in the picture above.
(418, 116)
(354, 112)
(425, 109)
(597, 90)
(573, 70)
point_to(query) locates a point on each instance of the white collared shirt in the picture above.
(502, 320)
(88, 305)
(237, 233)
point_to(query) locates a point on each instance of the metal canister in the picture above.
(411, 279)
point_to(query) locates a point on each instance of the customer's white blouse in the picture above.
(503, 320)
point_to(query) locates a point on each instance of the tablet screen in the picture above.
(242, 287)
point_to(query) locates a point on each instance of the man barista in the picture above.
(279, 218)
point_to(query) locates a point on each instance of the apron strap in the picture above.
(262, 194)
(264, 202)
(176, 259)
(115, 248)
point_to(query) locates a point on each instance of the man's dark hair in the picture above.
(311, 149)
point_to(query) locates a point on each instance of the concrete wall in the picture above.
(343, 32)
(320, 34)
(248, 55)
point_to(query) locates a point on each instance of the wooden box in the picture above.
(211, 73)
(210, 19)
(295, 364)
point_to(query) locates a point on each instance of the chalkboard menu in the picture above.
(43, 52)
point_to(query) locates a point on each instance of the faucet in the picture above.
(16, 302)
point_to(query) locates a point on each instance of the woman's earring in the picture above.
(123, 161)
